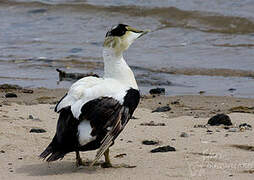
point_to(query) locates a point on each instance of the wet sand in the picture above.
(205, 153)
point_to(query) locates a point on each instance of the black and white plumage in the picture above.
(95, 110)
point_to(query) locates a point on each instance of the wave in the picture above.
(169, 17)
(96, 63)
(206, 72)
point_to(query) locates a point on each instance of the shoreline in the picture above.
(182, 105)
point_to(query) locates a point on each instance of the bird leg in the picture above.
(78, 159)
(107, 163)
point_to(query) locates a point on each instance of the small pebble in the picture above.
(162, 109)
(184, 134)
(231, 89)
(28, 91)
(37, 130)
(11, 95)
(201, 92)
(37, 11)
(133, 117)
(157, 91)
(30, 117)
(209, 131)
(36, 119)
(245, 126)
(120, 155)
(175, 103)
(150, 142)
(2, 151)
(200, 126)
(233, 130)
(163, 149)
(152, 123)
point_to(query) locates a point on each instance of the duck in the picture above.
(95, 110)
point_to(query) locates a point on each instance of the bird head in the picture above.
(120, 37)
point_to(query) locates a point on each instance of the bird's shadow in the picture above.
(56, 168)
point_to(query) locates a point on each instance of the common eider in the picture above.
(95, 110)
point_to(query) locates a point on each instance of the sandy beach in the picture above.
(202, 152)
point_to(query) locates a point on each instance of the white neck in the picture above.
(115, 67)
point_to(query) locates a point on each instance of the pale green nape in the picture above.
(119, 44)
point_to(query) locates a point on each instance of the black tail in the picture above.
(65, 139)
(52, 152)
(46, 152)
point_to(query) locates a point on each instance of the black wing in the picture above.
(108, 113)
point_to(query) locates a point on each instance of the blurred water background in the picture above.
(195, 45)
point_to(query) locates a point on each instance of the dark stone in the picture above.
(163, 149)
(76, 76)
(201, 92)
(37, 130)
(150, 142)
(162, 109)
(11, 95)
(27, 91)
(231, 89)
(120, 155)
(152, 123)
(75, 50)
(220, 119)
(2, 151)
(133, 117)
(37, 11)
(175, 103)
(30, 117)
(200, 126)
(245, 125)
(184, 134)
(157, 91)
(9, 87)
